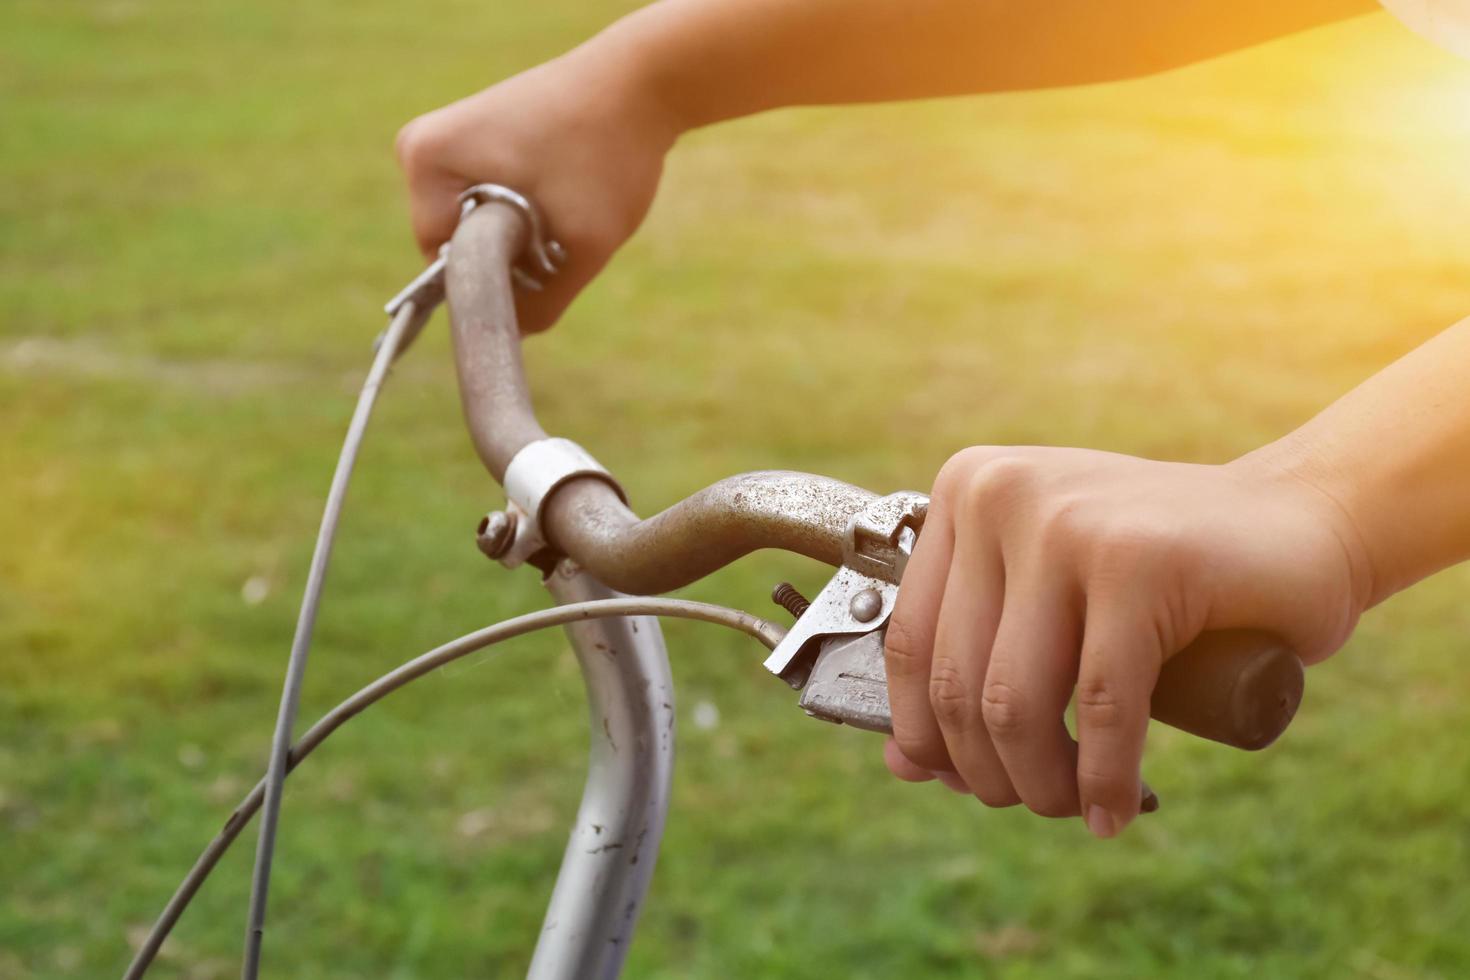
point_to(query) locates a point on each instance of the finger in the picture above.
(968, 617)
(588, 243)
(1033, 665)
(538, 310)
(435, 213)
(954, 782)
(908, 646)
(900, 766)
(1121, 656)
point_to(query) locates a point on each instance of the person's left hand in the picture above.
(1043, 570)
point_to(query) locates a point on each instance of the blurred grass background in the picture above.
(199, 219)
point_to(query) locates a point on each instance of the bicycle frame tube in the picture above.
(614, 844)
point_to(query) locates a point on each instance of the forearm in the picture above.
(709, 60)
(1395, 455)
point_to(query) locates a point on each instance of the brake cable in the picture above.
(767, 633)
(407, 320)
(408, 312)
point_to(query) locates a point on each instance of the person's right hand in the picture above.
(577, 135)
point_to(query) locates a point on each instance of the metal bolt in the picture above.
(495, 533)
(866, 605)
(786, 596)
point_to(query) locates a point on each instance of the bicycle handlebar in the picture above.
(585, 518)
(1241, 688)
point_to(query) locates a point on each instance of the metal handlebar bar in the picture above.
(1241, 688)
(586, 518)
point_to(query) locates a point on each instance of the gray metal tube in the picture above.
(585, 519)
(487, 340)
(795, 512)
(613, 845)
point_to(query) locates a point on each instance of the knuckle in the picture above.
(1004, 709)
(405, 144)
(1053, 807)
(957, 468)
(998, 799)
(998, 480)
(1116, 791)
(416, 145)
(904, 646)
(1060, 523)
(926, 753)
(1098, 706)
(949, 695)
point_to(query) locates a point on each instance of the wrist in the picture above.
(625, 62)
(1292, 465)
(695, 64)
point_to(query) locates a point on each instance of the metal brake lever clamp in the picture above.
(425, 291)
(834, 652)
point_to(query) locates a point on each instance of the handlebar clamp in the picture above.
(533, 475)
(544, 255)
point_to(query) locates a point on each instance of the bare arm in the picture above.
(718, 59)
(1043, 574)
(1394, 454)
(586, 134)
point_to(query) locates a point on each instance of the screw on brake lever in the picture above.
(834, 652)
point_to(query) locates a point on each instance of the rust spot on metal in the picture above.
(638, 845)
(792, 511)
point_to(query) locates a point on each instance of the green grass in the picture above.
(199, 218)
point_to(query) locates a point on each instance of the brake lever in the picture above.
(848, 684)
(833, 654)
